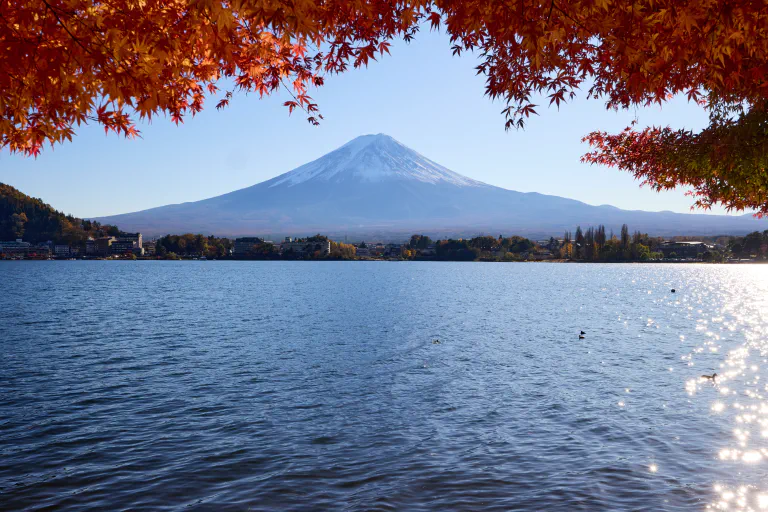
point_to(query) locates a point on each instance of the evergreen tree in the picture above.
(625, 239)
(578, 250)
(600, 237)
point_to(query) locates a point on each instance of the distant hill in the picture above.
(376, 185)
(32, 220)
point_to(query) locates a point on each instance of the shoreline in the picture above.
(552, 261)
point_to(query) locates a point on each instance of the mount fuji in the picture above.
(374, 185)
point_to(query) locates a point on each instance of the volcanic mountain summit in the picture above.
(373, 158)
(376, 185)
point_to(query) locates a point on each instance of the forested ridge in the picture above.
(33, 220)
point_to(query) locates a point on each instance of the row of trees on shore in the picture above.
(593, 244)
(312, 245)
(482, 247)
(175, 246)
(753, 245)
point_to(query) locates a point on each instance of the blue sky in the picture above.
(421, 95)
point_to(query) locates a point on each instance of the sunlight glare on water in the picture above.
(737, 393)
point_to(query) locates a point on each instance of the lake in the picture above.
(250, 385)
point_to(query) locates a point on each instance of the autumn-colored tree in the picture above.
(342, 251)
(25, 217)
(68, 62)
(566, 251)
(17, 221)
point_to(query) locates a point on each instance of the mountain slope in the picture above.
(22, 216)
(374, 184)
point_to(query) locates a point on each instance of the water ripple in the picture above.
(297, 386)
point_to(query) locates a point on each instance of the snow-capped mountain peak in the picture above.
(375, 186)
(373, 158)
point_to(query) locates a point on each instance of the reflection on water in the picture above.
(739, 321)
(276, 385)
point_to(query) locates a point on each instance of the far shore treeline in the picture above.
(590, 245)
(23, 217)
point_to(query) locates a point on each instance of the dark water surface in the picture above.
(312, 386)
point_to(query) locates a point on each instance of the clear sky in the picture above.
(421, 95)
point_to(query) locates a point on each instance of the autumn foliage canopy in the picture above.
(68, 62)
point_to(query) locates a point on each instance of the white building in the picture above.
(134, 238)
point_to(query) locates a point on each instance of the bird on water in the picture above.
(710, 377)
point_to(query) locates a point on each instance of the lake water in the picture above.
(317, 385)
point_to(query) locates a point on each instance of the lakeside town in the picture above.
(32, 230)
(592, 244)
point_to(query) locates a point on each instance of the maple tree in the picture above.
(68, 62)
